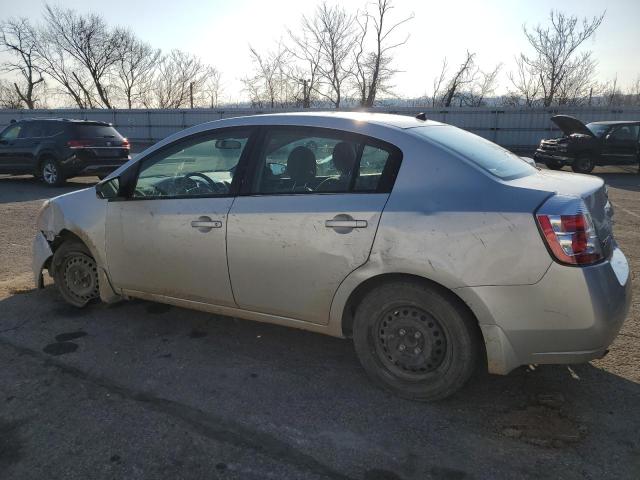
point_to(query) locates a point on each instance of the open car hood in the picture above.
(570, 125)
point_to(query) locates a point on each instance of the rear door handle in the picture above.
(205, 224)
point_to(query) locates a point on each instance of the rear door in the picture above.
(307, 218)
(621, 144)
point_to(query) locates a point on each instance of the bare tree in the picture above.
(331, 28)
(134, 68)
(484, 85)
(555, 54)
(9, 97)
(89, 40)
(372, 69)
(527, 87)
(179, 80)
(212, 89)
(308, 54)
(464, 76)
(18, 38)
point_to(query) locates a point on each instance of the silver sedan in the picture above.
(437, 251)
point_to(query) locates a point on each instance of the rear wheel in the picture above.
(416, 341)
(51, 173)
(553, 164)
(583, 165)
(75, 273)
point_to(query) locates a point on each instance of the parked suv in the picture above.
(584, 146)
(56, 149)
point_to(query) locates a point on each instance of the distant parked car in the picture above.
(584, 146)
(434, 249)
(56, 149)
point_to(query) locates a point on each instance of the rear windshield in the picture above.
(95, 131)
(485, 154)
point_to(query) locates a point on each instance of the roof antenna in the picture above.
(421, 116)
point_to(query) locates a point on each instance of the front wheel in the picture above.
(583, 165)
(553, 164)
(51, 173)
(416, 341)
(75, 273)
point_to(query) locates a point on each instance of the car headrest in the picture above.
(301, 165)
(344, 157)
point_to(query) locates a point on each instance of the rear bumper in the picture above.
(571, 315)
(76, 165)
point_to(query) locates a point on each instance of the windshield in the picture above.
(598, 129)
(485, 154)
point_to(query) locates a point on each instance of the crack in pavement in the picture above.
(212, 427)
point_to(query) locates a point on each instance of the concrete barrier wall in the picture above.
(516, 129)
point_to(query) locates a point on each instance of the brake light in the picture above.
(78, 143)
(125, 143)
(567, 228)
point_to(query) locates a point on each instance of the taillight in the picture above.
(79, 143)
(567, 228)
(125, 143)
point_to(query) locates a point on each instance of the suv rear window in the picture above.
(485, 154)
(95, 131)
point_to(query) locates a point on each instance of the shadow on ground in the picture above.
(302, 398)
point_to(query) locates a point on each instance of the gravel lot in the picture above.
(150, 391)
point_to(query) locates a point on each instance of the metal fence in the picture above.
(516, 129)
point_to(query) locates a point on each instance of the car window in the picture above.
(11, 132)
(318, 161)
(202, 166)
(492, 158)
(598, 129)
(32, 130)
(624, 133)
(90, 130)
(51, 129)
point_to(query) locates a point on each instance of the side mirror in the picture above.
(109, 189)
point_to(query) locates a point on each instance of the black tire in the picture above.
(434, 322)
(75, 273)
(553, 164)
(51, 173)
(583, 165)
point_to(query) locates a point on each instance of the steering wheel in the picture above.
(215, 187)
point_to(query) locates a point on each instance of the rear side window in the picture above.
(95, 131)
(314, 160)
(485, 154)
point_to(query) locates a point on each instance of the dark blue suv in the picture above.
(56, 149)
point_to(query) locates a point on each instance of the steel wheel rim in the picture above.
(50, 173)
(410, 342)
(80, 277)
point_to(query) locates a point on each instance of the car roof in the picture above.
(386, 119)
(66, 120)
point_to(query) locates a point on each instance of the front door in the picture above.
(168, 238)
(621, 144)
(307, 219)
(9, 148)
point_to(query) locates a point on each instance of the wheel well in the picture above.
(365, 287)
(63, 236)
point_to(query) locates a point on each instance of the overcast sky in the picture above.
(220, 31)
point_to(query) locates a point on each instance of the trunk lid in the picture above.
(592, 190)
(570, 125)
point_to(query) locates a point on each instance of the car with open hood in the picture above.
(582, 147)
(434, 249)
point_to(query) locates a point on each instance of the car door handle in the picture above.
(205, 224)
(345, 223)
